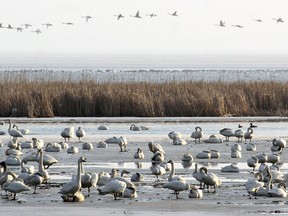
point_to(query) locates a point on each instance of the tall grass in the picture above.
(192, 98)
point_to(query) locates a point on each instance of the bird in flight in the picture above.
(26, 25)
(258, 20)
(151, 15)
(137, 15)
(221, 24)
(119, 16)
(68, 23)
(47, 25)
(38, 31)
(238, 26)
(87, 17)
(278, 20)
(173, 14)
(10, 27)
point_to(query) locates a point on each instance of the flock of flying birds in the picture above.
(119, 16)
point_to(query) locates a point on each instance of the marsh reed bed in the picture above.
(88, 98)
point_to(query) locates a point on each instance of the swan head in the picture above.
(82, 159)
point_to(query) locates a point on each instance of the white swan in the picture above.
(178, 141)
(278, 144)
(77, 197)
(248, 135)
(263, 158)
(48, 160)
(239, 133)
(253, 184)
(187, 158)
(88, 180)
(122, 143)
(197, 134)
(67, 133)
(47, 25)
(157, 170)
(236, 147)
(227, 132)
(172, 175)
(210, 179)
(174, 135)
(12, 160)
(158, 157)
(230, 168)
(195, 193)
(213, 139)
(273, 158)
(177, 186)
(205, 154)
(198, 175)
(70, 188)
(44, 173)
(103, 127)
(137, 177)
(250, 147)
(80, 132)
(253, 162)
(87, 146)
(14, 132)
(72, 150)
(14, 152)
(26, 145)
(279, 191)
(236, 154)
(214, 153)
(34, 180)
(87, 18)
(37, 143)
(27, 169)
(114, 187)
(173, 14)
(263, 190)
(130, 192)
(139, 154)
(154, 147)
(53, 147)
(102, 144)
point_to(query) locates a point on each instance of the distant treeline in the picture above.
(191, 98)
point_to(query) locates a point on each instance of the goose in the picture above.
(35, 180)
(177, 186)
(174, 135)
(151, 15)
(158, 157)
(37, 31)
(80, 132)
(139, 154)
(205, 154)
(197, 134)
(53, 147)
(253, 184)
(221, 24)
(122, 143)
(37, 143)
(77, 197)
(230, 168)
(15, 186)
(253, 162)
(252, 125)
(14, 133)
(87, 146)
(279, 191)
(195, 193)
(103, 127)
(47, 25)
(130, 192)
(213, 139)
(198, 175)
(227, 132)
(157, 170)
(210, 179)
(114, 187)
(119, 16)
(137, 15)
(72, 150)
(278, 20)
(172, 175)
(154, 147)
(187, 158)
(102, 144)
(70, 188)
(173, 14)
(250, 147)
(239, 133)
(87, 18)
(137, 177)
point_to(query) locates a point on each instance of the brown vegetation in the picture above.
(87, 98)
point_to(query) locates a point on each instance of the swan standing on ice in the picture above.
(198, 175)
(248, 135)
(197, 134)
(253, 162)
(114, 187)
(70, 188)
(157, 170)
(14, 132)
(122, 143)
(34, 180)
(239, 133)
(177, 186)
(210, 179)
(172, 175)
(227, 132)
(80, 133)
(67, 133)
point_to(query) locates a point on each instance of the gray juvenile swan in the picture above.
(197, 134)
(227, 132)
(80, 132)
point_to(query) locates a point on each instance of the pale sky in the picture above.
(192, 34)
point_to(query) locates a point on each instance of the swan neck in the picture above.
(79, 172)
(172, 171)
(41, 165)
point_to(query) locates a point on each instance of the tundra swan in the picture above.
(236, 154)
(253, 184)
(157, 170)
(158, 157)
(34, 180)
(87, 18)
(198, 175)
(139, 154)
(122, 143)
(77, 197)
(177, 186)
(197, 134)
(248, 135)
(279, 191)
(37, 143)
(27, 169)
(44, 173)
(119, 16)
(154, 147)
(227, 133)
(67, 133)
(214, 153)
(213, 139)
(263, 158)
(172, 175)
(70, 188)
(263, 190)
(114, 187)
(88, 180)
(230, 168)
(279, 144)
(48, 160)
(187, 158)
(26, 145)
(53, 147)
(130, 192)
(12, 160)
(87, 146)
(102, 144)
(174, 135)
(72, 150)
(253, 162)
(250, 147)
(239, 133)
(195, 193)
(179, 141)
(236, 147)
(205, 154)
(103, 127)
(14, 132)
(137, 177)
(173, 14)
(80, 132)
(210, 179)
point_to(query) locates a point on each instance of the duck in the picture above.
(139, 154)
(195, 193)
(70, 188)
(227, 132)
(197, 134)
(87, 146)
(80, 132)
(114, 187)
(154, 147)
(248, 135)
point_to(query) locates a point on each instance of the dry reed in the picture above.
(192, 98)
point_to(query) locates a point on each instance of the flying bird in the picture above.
(258, 20)
(68, 23)
(47, 25)
(238, 26)
(151, 15)
(87, 17)
(119, 16)
(26, 25)
(38, 31)
(19, 29)
(173, 14)
(137, 15)
(221, 24)
(278, 20)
